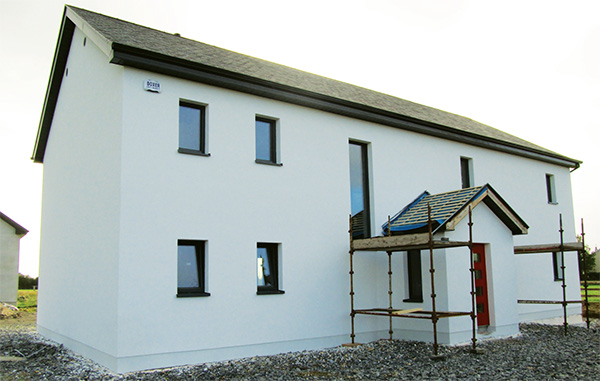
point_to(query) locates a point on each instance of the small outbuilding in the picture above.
(10, 235)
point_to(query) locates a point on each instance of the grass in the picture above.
(593, 292)
(27, 304)
(27, 300)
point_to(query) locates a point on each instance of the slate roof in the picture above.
(446, 206)
(19, 230)
(195, 55)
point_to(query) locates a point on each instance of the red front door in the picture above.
(481, 291)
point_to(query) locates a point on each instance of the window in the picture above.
(267, 275)
(415, 285)
(466, 172)
(266, 141)
(191, 268)
(359, 191)
(192, 129)
(550, 189)
(557, 264)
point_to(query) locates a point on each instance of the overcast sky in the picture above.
(528, 67)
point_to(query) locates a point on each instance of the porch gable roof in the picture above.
(449, 208)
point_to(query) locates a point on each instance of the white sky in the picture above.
(528, 67)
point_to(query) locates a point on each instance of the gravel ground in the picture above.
(540, 352)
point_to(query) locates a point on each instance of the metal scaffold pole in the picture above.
(585, 283)
(562, 267)
(391, 331)
(434, 318)
(472, 272)
(352, 314)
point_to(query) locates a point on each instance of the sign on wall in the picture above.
(152, 85)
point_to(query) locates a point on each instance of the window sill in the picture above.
(270, 292)
(192, 152)
(413, 300)
(258, 161)
(192, 294)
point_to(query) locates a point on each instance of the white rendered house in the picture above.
(10, 237)
(196, 202)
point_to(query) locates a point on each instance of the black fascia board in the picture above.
(61, 54)
(155, 62)
(19, 230)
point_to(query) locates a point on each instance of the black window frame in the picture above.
(414, 275)
(466, 175)
(273, 159)
(201, 269)
(558, 268)
(273, 258)
(551, 189)
(201, 151)
(366, 193)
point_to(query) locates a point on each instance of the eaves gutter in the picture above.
(142, 59)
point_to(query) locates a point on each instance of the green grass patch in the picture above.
(27, 300)
(593, 292)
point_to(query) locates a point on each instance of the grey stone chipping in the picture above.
(541, 352)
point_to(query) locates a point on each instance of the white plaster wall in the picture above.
(500, 269)
(118, 196)
(232, 202)
(77, 301)
(9, 263)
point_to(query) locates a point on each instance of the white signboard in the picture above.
(152, 85)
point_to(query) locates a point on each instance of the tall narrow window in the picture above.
(267, 268)
(557, 264)
(550, 189)
(359, 191)
(415, 285)
(466, 172)
(191, 268)
(266, 141)
(192, 128)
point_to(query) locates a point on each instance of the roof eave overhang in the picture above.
(497, 205)
(142, 59)
(61, 54)
(70, 20)
(19, 230)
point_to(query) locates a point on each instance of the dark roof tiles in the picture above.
(174, 46)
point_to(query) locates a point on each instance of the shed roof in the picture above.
(19, 230)
(133, 45)
(449, 208)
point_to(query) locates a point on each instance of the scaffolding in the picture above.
(418, 241)
(561, 248)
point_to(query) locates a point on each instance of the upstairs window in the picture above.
(192, 128)
(266, 141)
(267, 262)
(191, 268)
(415, 284)
(466, 172)
(550, 189)
(359, 190)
